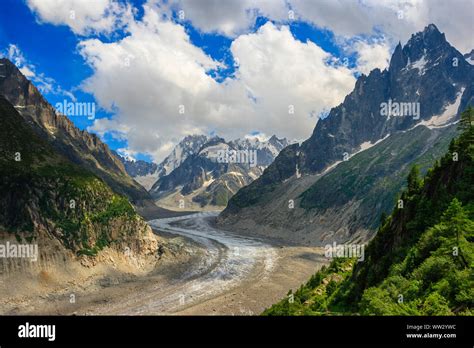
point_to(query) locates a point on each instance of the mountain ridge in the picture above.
(426, 69)
(48, 199)
(79, 146)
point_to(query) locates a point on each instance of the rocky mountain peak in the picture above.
(398, 60)
(213, 141)
(189, 140)
(427, 76)
(428, 42)
(421, 47)
(429, 35)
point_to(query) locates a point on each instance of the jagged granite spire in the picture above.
(398, 60)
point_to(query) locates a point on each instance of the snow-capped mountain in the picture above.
(266, 150)
(187, 147)
(212, 175)
(146, 174)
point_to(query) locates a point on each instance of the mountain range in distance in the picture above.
(194, 177)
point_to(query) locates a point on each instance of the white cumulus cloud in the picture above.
(83, 16)
(228, 17)
(398, 19)
(158, 84)
(372, 55)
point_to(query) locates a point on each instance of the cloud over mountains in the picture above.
(159, 87)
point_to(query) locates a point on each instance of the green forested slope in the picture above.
(421, 260)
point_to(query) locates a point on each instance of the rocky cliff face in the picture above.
(427, 70)
(427, 75)
(80, 147)
(47, 199)
(346, 203)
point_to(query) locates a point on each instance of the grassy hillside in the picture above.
(421, 260)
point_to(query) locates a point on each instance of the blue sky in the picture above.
(51, 49)
(63, 53)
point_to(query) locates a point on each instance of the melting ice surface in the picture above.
(229, 260)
